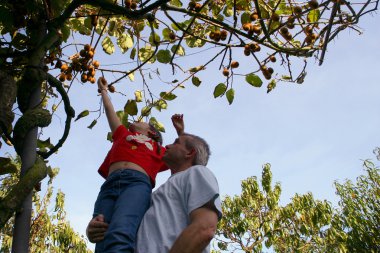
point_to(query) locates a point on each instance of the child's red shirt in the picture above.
(136, 148)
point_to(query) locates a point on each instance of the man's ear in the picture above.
(191, 153)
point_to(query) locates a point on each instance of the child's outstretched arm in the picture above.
(112, 118)
(178, 123)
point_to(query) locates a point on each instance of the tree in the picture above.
(41, 58)
(50, 231)
(255, 219)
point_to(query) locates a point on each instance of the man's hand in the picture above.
(96, 229)
(178, 123)
(102, 83)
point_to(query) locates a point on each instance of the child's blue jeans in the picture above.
(123, 200)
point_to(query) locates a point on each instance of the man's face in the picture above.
(176, 152)
(140, 127)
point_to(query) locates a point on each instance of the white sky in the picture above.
(312, 134)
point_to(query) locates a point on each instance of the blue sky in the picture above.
(312, 134)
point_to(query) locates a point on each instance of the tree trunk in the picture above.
(21, 233)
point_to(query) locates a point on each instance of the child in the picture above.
(130, 169)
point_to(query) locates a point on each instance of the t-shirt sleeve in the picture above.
(119, 132)
(202, 188)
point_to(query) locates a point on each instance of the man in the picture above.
(185, 210)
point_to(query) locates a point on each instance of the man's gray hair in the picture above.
(201, 147)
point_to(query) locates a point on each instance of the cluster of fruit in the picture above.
(218, 35)
(129, 4)
(310, 36)
(251, 47)
(193, 6)
(83, 63)
(233, 65)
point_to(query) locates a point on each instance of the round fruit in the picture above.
(246, 26)
(83, 78)
(297, 10)
(256, 29)
(254, 16)
(284, 30)
(272, 58)
(226, 72)
(87, 47)
(247, 52)
(111, 88)
(96, 64)
(270, 70)
(62, 77)
(128, 4)
(275, 17)
(172, 36)
(69, 77)
(90, 54)
(83, 53)
(234, 64)
(313, 4)
(133, 5)
(192, 5)
(64, 67)
(198, 7)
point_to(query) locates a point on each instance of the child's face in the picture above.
(140, 127)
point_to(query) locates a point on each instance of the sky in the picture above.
(312, 134)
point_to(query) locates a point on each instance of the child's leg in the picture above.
(105, 203)
(129, 209)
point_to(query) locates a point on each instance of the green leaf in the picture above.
(131, 76)
(133, 54)
(176, 3)
(313, 15)
(196, 81)
(138, 96)
(180, 51)
(108, 45)
(166, 33)
(65, 32)
(87, 23)
(158, 125)
(245, 18)
(6, 166)
(125, 41)
(78, 25)
(82, 114)
(228, 11)
(167, 96)
(253, 80)
(219, 90)
(154, 39)
(230, 94)
(164, 56)
(131, 107)
(43, 145)
(145, 53)
(93, 123)
(145, 111)
(194, 42)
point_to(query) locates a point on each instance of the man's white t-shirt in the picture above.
(172, 203)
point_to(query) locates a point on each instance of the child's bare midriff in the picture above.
(125, 165)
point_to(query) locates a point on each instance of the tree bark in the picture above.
(21, 233)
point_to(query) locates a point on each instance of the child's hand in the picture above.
(102, 83)
(178, 123)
